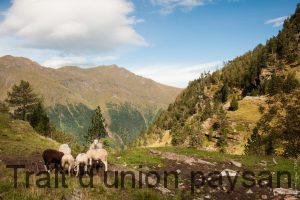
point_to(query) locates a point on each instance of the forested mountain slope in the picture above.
(254, 91)
(72, 93)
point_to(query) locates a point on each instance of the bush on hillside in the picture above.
(234, 104)
(3, 107)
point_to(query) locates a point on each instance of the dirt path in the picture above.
(181, 158)
(32, 163)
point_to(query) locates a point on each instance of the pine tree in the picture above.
(224, 92)
(234, 104)
(290, 83)
(254, 144)
(275, 85)
(97, 128)
(222, 140)
(22, 99)
(292, 129)
(39, 119)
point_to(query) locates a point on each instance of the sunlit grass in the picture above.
(247, 112)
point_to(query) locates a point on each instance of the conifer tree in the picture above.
(290, 83)
(97, 128)
(222, 140)
(254, 144)
(224, 92)
(234, 104)
(39, 119)
(22, 99)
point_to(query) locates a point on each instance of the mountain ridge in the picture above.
(75, 89)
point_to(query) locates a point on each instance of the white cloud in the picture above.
(72, 25)
(60, 61)
(277, 22)
(56, 62)
(178, 74)
(169, 6)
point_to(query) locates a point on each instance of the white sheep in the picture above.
(65, 149)
(81, 159)
(97, 155)
(96, 145)
(68, 162)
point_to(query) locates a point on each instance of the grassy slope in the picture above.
(247, 112)
(243, 121)
(18, 138)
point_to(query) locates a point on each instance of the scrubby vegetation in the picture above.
(278, 130)
(267, 70)
(128, 121)
(73, 119)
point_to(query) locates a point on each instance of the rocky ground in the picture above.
(183, 165)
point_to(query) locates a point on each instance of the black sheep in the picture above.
(52, 156)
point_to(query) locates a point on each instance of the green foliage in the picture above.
(97, 128)
(254, 144)
(109, 143)
(291, 133)
(234, 104)
(72, 119)
(128, 121)
(222, 140)
(39, 120)
(279, 84)
(3, 107)
(290, 83)
(274, 85)
(224, 92)
(22, 99)
(196, 141)
(278, 128)
(261, 109)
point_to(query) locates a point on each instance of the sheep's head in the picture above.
(96, 141)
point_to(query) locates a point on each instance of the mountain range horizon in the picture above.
(71, 94)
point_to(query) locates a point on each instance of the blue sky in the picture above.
(170, 41)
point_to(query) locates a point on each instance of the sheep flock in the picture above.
(63, 159)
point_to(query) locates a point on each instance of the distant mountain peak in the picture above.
(18, 62)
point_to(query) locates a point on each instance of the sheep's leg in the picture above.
(85, 169)
(47, 168)
(105, 166)
(78, 169)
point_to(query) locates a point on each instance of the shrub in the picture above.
(3, 108)
(234, 104)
